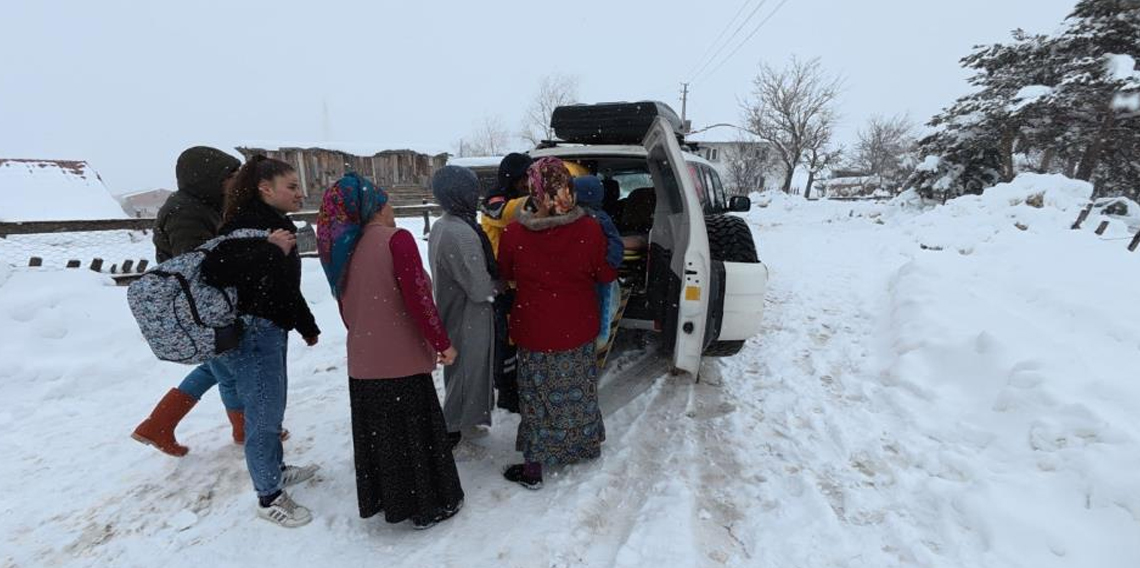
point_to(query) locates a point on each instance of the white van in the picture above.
(698, 280)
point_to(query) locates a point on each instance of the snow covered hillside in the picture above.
(951, 386)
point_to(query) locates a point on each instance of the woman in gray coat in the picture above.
(465, 276)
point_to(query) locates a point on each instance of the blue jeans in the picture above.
(258, 366)
(208, 374)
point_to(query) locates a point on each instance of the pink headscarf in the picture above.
(550, 187)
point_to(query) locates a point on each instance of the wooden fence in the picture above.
(1084, 215)
(131, 269)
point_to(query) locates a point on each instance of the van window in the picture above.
(712, 201)
(718, 190)
(699, 182)
(631, 180)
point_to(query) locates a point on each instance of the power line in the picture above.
(746, 40)
(730, 38)
(718, 38)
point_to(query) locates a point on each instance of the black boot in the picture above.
(518, 474)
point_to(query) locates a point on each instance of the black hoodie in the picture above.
(191, 216)
(268, 281)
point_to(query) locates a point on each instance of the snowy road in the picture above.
(882, 418)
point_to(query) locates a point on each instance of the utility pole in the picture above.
(684, 107)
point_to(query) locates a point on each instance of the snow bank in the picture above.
(1031, 203)
(917, 407)
(53, 190)
(1018, 363)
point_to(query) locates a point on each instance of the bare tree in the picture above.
(489, 138)
(819, 158)
(790, 106)
(883, 150)
(748, 161)
(818, 150)
(553, 91)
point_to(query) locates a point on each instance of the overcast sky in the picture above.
(128, 85)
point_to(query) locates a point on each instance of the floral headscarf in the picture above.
(550, 187)
(347, 206)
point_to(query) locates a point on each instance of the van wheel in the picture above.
(724, 348)
(730, 239)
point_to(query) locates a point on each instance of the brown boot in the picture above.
(237, 422)
(158, 429)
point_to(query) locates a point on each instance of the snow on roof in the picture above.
(354, 148)
(476, 161)
(721, 133)
(146, 192)
(54, 190)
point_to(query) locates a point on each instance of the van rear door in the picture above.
(679, 227)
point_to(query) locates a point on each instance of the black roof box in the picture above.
(610, 123)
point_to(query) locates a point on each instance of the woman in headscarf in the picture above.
(404, 465)
(556, 255)
(464, 271)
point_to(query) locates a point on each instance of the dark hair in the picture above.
(243, 188)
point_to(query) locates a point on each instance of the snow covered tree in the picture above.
(973, 146)
(1064, 103)
(1099, 90)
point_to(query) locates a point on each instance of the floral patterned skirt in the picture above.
(558, 399)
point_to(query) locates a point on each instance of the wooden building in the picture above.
(404, 173)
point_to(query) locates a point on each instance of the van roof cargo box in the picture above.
(610, 123)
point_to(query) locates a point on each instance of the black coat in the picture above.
(193, 214)
(268, 281)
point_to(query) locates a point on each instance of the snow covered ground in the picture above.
(948, 387)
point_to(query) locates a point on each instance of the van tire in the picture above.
(730, 239)
(724, 348)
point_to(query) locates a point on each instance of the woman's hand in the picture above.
(311, 341)
(284, 240)
(448, 357)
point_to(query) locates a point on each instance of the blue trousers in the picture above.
(208, 374)
(258, 366)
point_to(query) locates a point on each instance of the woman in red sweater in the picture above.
(556, 255)
(404, 466)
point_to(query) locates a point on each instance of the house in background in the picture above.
(744, 165)
(54, 190)
(144, 204)
(405, 173)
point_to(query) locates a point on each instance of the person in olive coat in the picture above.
(190, 217)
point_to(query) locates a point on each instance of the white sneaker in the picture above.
(293, 475)
(285, 512)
